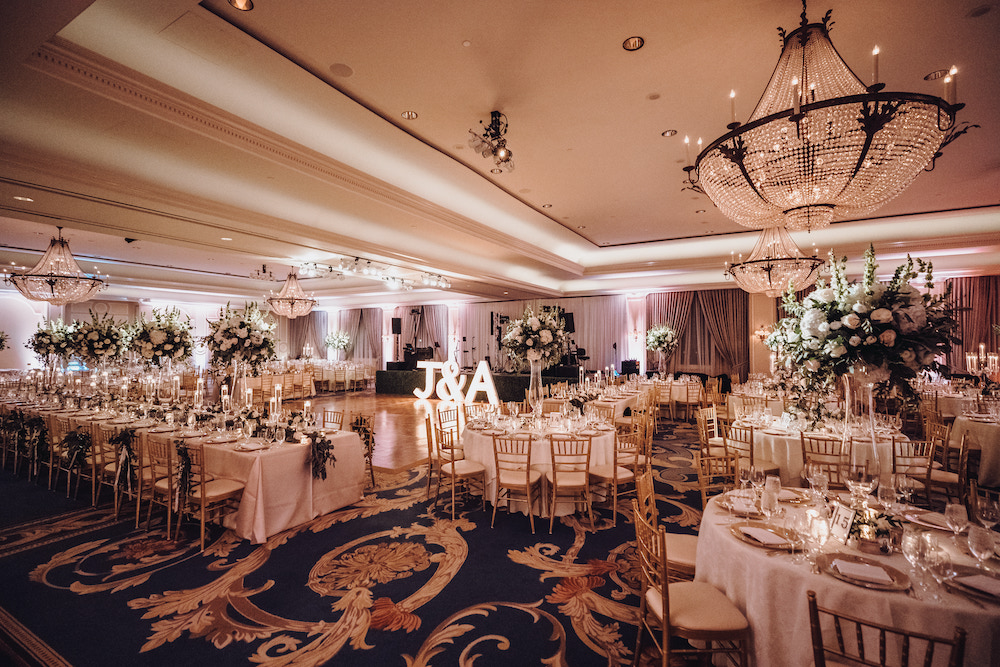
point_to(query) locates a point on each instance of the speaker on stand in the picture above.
(397, 329)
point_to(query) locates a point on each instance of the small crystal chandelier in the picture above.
(492, 143)
(57, 278)
(291, 301)
(775, 263)
(821, 145)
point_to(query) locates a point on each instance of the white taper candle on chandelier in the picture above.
(875, 65)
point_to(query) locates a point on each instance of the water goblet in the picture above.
(887, 497)
(248, 429)
(981, 544)
(988, 512)
(819, 532)
(169, 418)
(191, 420)
(913, 547)
(957, 518)
(757, 480)
(744, 473)
(934, 561)
(769, 504)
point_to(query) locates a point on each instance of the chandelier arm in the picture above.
(737, 154)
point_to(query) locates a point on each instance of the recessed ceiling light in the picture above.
(496, 170)
(225, 238)
(341, 70)
(653, 96)
(20, 198)
(409, 115)
(981, 10)
(668, 133)
(468, 43)
(546, 205)
(581, 226)
(242, 5)
(633, 43)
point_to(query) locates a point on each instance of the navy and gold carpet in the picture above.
(389, 581)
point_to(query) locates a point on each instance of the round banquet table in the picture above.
(771, 592)
(479, 447)
(983, 435)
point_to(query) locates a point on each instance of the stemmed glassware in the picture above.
(757, 480)
(988, 512)
(981, 544)
(913, 547)
(819, 531)
(957, 518)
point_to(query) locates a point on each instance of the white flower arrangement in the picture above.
(889, 331)
(337, 340)
(661, 338)
(51, 341)
(535, 338)
(98, 340)
(245, 336)
(165, 339)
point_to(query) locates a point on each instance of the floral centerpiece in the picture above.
(869, 524)
(539, 340)
(887, 332)
(51, 341)
(241, 336)
(165, 339)
(337, 340)
(99, 340)
(663, 340)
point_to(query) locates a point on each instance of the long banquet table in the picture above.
(771, 591)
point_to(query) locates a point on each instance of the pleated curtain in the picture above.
(309, 328)
(670, 308)
(726, 313)
(977, 304)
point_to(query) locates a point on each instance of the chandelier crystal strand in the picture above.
(820, 145)
(57, 278)
(291, 301)
(775, 263)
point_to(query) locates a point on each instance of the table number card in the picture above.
(841, 522)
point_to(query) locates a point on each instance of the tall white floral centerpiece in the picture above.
(538, 339)
(876, 336)
(100, 340)
(337, 340)
(51, 345)
(242, 340)
(663, 340)
(164, 340)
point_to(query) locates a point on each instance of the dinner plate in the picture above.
(163, 429)
(743, 529)
(741, 510)
(775, 431)
(900, 582)
(252, 445)
(981, 419)
(793, 496)
(143, 423)
(966, 587)
(605, 427)
(493, 431)
(927, 519)
(220, 438)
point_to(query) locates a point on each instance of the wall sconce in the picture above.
(762, 332)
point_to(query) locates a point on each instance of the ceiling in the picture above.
(153, 131)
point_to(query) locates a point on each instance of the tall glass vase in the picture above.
(535, 386)
(661, 365)
(862, 466)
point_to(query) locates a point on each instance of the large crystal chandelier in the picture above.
(492, 143)
(57, 278)
(775, 264)
(821, 145)
(291, 301)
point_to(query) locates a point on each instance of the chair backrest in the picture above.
(432, 453)
(716, 474)
(937, 430)
(627, 451)
(447, 418)
(979, 495)
(472, 411)
(707, 426)
(603, 412)
(663, 390)
(570, 454)
(333, 419)
(828, 453)
(160, 456)
(102, 449)
(447, 445)
(552, 405)
(911, 457)
(651, 547)
(645, 496)
(512, 456)
(868, 643)
(739, 441)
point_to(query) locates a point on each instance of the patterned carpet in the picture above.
(389, 581)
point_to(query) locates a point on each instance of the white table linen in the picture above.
(984, 436)
(771, 592)
(784, 448)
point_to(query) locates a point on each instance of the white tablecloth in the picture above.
(479, 447)
(771, 592)
(736, 402)
(280, 491)
(951, 405)
(984, 436)
(784, 448)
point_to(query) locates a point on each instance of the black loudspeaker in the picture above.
(397, 325)
(570, 327)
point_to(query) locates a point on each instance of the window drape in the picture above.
(726, 312)
(977, 303)
(370, 336)
(350, 323)
(670, 308)
(309, 328)
(434, 330)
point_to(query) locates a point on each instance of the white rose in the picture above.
(881, 315)
(92, 335)
(851, 321)
(812, 365)
(534, 355)
(533, 323)
(860, 308)
(157, 336)
(854, 341)
(545, 336)
(823, 296)
(870, 340)
(887, 337)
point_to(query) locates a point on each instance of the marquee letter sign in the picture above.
(449, 387)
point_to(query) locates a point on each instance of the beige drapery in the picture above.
(670, 308)
(726, 312)
(977, 302)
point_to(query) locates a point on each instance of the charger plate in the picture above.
(787, 535)
(900, 582)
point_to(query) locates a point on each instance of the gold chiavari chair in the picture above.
(622, 471)
(454, 470)
(208, 498)
(569, 476)
(515, 478)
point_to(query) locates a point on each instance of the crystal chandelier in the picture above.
(821, 145)
(775, 263)
(492, 143)
(291, 301)
(57, 277)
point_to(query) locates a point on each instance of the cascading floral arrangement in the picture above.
(245, 336)
(51, 341)
(888, 331)
(535, 338)
(98, 340)
(337, 340)
(662, 338)
(164, 339)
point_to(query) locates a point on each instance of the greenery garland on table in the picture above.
(164, 339)
(124, 440)
(321, 453)
(77, 443)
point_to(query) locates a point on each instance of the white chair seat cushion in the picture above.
(715, 450)
(457, 453)
(217, 488)
(516, 477)
(682, 549)
(569, 478)
(462, 468)
(697, 606)
(944, 477)
(717, 441)
(607, 473)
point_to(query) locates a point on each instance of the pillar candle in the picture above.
(732, 105)
(308, 407)
(875, 65)
(249, 396)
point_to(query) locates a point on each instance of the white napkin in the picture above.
(786, 495)
(742, 505)
(934, 519)
(763, 536)
(252, 444)
(862, 571)
(981, 583)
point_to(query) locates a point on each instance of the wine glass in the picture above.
(861, 477)
(744, 477)
(769, 504)
(957, 518)
(191, 420)
(757, 480)
(988, 512)
(981, 544)
(248, 429)
(887, 496)
(819, 531)
(934, 560)
(913, 547)
(797, 524)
